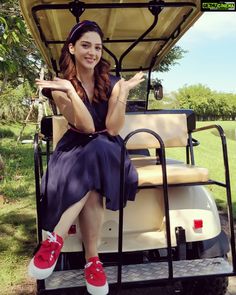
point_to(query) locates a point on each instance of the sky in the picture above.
(211, 56)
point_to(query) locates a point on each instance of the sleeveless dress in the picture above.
(85, 162)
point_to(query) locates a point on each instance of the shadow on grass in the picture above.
(18, 173)
(222, 206)
(18, 231)
(17, 192)
(6, 133)
(17, 155)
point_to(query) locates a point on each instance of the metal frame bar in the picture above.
(122, 195)
(227, 186)
(38, 174)
(115, 40)
(128, 50)
(150, 4)
(154, 6)
(190, 150)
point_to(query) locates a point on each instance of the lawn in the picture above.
(17, 210)
(17, 198)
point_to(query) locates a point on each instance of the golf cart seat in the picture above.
(173, 130)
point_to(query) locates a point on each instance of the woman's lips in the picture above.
(90, 60)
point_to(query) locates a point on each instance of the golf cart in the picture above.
(171, 235)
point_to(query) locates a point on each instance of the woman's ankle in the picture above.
(60, 234)
(90, 255)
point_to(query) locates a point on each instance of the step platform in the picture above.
(143, 272)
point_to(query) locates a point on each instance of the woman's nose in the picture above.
(92, 51)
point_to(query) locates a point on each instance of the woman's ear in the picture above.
(71, 48)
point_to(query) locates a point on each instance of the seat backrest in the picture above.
(171, 127)
(59, 127)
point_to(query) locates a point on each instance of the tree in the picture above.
(19, 58)
(207, 104)
(171, 59)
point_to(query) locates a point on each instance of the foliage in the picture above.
(15, 103)
(168, 102)
(207, 104)
(171, 59)
(19, 58)
(20, 63)
(175, 54)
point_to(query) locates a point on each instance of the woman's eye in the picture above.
(85, 45)
(98, 48)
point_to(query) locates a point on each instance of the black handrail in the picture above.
(125, 53)
(166, 202)
(37, 175)
(103, 5)
(227, 184)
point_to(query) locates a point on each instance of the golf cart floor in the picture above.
(142, 272)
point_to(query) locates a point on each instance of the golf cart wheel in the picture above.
(144, 291)
(209, 286)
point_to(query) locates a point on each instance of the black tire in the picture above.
(144, 291)
(208, 286)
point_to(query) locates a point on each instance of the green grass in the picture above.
(17, 209)
(17, 197)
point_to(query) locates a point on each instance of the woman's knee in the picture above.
(94, 198)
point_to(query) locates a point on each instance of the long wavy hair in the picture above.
(101, 70)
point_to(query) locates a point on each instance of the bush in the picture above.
(6, 133)
(15, 103)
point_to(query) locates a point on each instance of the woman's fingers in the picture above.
(56, 83)
(136, 79)
(132, 82)
(44, 83)
(57, 79)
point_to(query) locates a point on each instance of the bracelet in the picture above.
(124, 102)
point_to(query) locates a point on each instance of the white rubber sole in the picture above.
(103, 290)
(38, 273)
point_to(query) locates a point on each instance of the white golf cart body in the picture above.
(172, 232)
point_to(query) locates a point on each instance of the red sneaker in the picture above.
(43, 263)
(95, 277)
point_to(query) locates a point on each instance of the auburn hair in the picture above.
(101, 70)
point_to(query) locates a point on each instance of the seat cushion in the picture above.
(151, 174)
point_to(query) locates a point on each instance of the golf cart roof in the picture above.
(137, 34)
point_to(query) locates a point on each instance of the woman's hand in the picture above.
(126, 86)
(56, 84)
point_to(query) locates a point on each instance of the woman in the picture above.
(85, 164)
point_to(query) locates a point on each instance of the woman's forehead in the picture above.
(92, 37)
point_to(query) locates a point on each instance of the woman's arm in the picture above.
(117, 103)
(70, 104)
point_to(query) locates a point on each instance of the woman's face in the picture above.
(87, 50)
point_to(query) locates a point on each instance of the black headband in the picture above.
(80, 25)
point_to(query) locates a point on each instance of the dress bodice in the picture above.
(98, 110)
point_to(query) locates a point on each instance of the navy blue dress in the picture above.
(82, 163)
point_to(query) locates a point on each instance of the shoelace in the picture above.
(51, 238)
(99, 264)
(51, 243)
